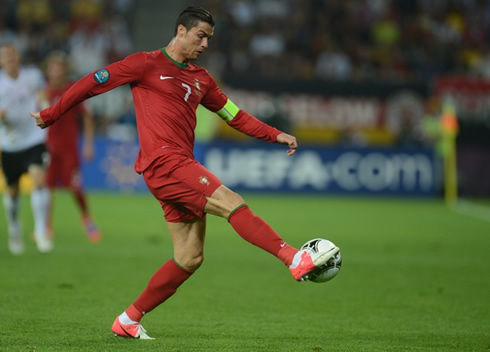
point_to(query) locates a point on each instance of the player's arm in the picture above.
(244, 122)
(114, 75)
(43, 102)
(3, 109)
(251, 126)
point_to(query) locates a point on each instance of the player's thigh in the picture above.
(188, 241)
(70, 176)
(222, 202)
(63, 171)
(12, 168)
(36, 160)
(181, 186)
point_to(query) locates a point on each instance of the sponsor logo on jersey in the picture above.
(101, 76)
(165, 77)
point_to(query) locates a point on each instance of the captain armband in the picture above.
(229, 111)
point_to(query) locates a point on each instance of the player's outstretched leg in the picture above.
(256, 231)
(162, 285)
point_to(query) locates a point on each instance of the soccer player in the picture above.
(166, 90)
(23, 146)
(62, 141)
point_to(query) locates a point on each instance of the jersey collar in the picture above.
(180, 64)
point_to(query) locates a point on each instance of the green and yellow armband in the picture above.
(229, 111)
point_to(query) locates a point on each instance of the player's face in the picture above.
(9, 58)
(196, 40)
(56, 70)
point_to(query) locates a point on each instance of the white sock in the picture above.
(40, 199)
(296, 259)
(11, 206)
(124, 319)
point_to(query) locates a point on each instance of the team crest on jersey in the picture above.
(197, 84)
(101, 76)
(203, 180)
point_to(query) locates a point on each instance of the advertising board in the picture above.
(266, 167)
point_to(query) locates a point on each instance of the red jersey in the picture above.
(62, 137)
(166, 94)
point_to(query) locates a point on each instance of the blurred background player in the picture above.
(62, 141)
(23, 146)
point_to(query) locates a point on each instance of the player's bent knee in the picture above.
(226, 195)
(191, 263)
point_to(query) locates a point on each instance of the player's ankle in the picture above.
(125, 319)
(133, 313)
(286, 254)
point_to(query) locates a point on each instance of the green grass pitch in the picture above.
(415, 277)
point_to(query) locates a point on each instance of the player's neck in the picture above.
(173, 52)
(12, 73)
(56, 84)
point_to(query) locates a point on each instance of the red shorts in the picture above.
(63, 170)
(181, 185)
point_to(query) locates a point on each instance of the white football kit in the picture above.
(19, 96)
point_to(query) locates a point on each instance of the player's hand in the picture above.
(39, 120)
(288, 140)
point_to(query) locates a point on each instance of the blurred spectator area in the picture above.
(92, 33)
(335, 71)
(350, 39)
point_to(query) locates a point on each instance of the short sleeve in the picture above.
(214, 99)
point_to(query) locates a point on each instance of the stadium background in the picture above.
(361, 84)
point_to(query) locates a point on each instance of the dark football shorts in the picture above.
(181, 185)
(14, 164)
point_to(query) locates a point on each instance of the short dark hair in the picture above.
(191, 16)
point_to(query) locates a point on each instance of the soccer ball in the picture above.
(331, 268)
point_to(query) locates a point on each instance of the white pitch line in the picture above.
(473, 210)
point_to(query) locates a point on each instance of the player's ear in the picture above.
(181, 30)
